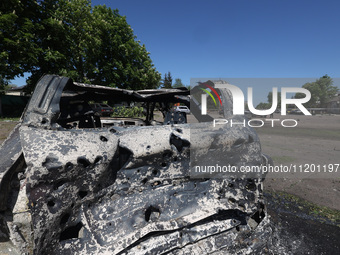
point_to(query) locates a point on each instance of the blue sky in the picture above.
(237, 38)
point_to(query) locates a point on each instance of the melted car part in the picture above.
(127, 189)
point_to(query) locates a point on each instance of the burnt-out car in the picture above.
(72, 182)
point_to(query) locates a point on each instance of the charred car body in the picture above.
(71, 185)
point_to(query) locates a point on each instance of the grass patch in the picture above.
(283, 159)
(6, 126)
(300, 207)
(9, 119)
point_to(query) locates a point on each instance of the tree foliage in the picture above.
(263, 106)
(178, 83)
(321, 91)
(133, 112)
(4, 85)
(18, 43)
(167, 81)
(270, 99)
(74, 39)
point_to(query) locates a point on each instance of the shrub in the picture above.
(122, 111)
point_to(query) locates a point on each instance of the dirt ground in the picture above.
(315, 140)
(5, 128)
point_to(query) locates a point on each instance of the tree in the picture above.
(18, 43)
(263, 106)
(270, 99)
(167, 81)
(321, 91)
(178, 83)
(117, 58)
(313, 88)
(74, 39)
(4, 85)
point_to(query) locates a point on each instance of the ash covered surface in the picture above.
(75, 184)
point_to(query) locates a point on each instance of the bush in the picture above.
(121, 111)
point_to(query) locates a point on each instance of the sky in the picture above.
(224, 39)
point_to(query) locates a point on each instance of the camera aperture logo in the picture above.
(239, 102)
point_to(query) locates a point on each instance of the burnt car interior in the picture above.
(75, 110)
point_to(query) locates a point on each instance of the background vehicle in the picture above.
(248, 114)
(102, 109)
(296, 111)
(182, 108)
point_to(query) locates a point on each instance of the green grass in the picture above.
(283, 159)
(9, 119)
(301, 206)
